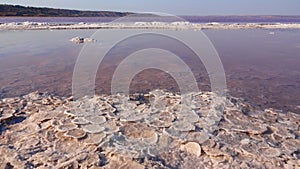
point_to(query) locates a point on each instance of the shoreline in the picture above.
(146, 25)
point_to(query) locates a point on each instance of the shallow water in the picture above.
(261, 67)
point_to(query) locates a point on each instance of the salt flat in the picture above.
(118, 131)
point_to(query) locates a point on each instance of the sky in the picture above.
(175, 7)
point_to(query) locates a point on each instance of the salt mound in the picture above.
(78, 40)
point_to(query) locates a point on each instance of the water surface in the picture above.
(262, 67)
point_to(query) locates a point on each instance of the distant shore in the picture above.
(22, 11)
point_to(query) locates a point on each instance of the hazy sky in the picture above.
(176, 7)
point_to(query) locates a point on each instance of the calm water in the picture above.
(261, 67)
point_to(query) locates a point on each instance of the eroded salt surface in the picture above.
(40, 130)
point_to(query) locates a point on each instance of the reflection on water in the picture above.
(37, 60)
(260, 66)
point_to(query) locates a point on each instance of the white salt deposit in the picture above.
(145, 25)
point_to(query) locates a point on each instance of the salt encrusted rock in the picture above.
(5, 117)
(163, 116)
(150, 137)
(128, 106)
(45, 124)
(291, 145)
(140, 131)
(192, 148)
(123, 162)
(110, 127)
(199, 137)
(77, 112)
(59, 132)
(183, 126)
(211, 148)
(133, 117)
(292, 164)
(283, 131)
(159, 123)
(68, 112)
(270, 152)
(161, 119)
(92, 128)
(188, 116)
(230, 137)
(75, 133)
(172, 132)
(96, 138)
(249, 149)
(80, 121)
(82, 40)
(66, 127)
(95, 119)
(245, 141)
(165, 142)
(235, 117)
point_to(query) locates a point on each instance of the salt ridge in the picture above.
(145, 25)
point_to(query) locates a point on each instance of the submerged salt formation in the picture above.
(78, 40)
(145, 131)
